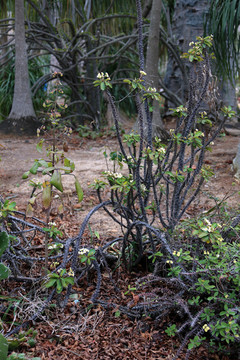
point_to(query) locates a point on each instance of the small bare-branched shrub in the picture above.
(195, 263)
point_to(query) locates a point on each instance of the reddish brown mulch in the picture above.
(74, 333)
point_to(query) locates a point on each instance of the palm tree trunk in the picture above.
(22, 117)
(188, 23)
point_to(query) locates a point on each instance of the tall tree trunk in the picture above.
(152, 59)
(152, 77)
(187, 24)
(22, 117)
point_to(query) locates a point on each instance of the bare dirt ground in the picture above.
(18, 154)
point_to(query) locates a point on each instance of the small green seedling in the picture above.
(60, 279)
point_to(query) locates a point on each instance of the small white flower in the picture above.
(83, 251)
(206, 328)
(100, 75)
(70, 272)
(55, 246)
(150, 89)
(52, 223)
(176, 253)
(161, 151)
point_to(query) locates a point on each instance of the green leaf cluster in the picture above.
(7, 207)
(196, 52)
(60, 280)
(214, 295)
(4, 243)
(88, 256)
(103, 81)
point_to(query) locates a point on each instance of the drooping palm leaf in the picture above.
(223, 22)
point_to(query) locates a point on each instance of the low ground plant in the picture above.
(207, 264)
(7, 345)
(53, 167)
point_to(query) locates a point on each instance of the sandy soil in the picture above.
(18, 154)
